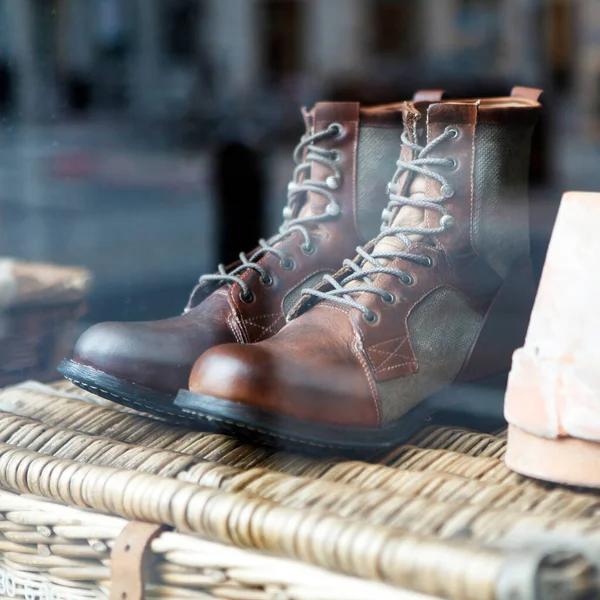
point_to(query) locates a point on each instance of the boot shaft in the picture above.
(487, 211)
(374, 135)
(343, 163)
(473, 206)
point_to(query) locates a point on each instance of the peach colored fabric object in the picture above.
(553, 397)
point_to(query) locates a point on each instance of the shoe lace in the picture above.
(340, 294)
(297, 188)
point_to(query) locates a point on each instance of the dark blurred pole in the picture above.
(240, 186)
(78, 92)
(6, 88)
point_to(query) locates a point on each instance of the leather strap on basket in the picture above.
(130, 560)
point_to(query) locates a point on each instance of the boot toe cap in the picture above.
(233, 371)
(136, 353)
(270, 378)
(103, 346)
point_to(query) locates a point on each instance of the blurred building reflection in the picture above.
(168, 59)
(112, 112)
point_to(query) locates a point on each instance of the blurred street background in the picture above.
(131, 128)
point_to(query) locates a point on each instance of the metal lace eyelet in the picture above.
(389, 298)
(427, 261)
(332, 182)
(370, 317)
(385, 215)
(308, 249)
(336, 129)
(288, 263)
(407, 279)
(446, 221)
(267, 280)
(453, 131)
(333, 210)
(447, 191)
(247, 297)
(453, 164)
(336, 155)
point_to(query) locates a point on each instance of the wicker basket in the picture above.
(48, 549)
(440, 517)
(39, 305)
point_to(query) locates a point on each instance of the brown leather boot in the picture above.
(437, 301)
(344, 161)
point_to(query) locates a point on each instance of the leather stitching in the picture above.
(354, 159)
(408, 362)
(380, 367)
(387, 342)
(251, 320)
(357, 350)
(390, 354)
(231, 323)
(267, 331)
(236, 314)
(472, 199)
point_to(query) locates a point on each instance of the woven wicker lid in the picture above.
(439, 517)
(28, 283)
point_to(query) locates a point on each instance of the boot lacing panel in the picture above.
(297, 189)
(341, 294)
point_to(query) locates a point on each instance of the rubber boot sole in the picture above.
(123, 392)
(460, 404)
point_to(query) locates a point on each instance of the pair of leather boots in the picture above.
(298, 342)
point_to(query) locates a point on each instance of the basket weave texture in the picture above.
(439, 517)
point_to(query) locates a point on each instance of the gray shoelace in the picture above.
(343, 295)
(300, 185)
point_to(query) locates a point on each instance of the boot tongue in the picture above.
(308, 204)
(414, 117)
(409, 185)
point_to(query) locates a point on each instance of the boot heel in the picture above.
(476, 404)
(565, 460)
